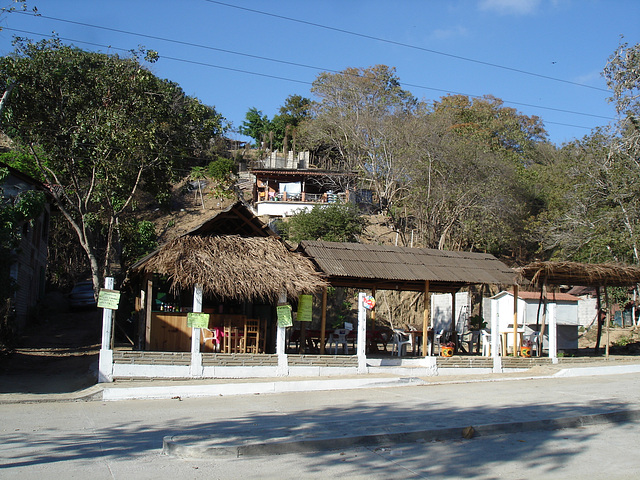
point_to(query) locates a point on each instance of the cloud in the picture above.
(448, 33)
(510, 7)
(589, 78)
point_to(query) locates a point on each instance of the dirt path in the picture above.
(58, 355)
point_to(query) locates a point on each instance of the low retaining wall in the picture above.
(178, 365)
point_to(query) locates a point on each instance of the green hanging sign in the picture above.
(284, 315)
(108, 299)
(197, 320)
(305, 308)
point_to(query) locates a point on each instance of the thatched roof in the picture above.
(234, 267)
(584, 274)
(387, 267)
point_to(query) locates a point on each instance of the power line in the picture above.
(276, 77)
(407, 45)
(170, 40)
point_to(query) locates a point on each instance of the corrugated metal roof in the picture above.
(553, 296)
(405, 264)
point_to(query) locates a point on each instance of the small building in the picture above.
(500, 308)
(29, 268)
(285, 185)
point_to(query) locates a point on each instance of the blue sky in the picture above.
(542, 57)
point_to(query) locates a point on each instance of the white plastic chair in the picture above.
(437, 338)
(339, 337)
(535, 343)
(486, 344)
(213, 336)
(401, 341)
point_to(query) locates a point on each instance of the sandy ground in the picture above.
(622, 341)
(58, 355)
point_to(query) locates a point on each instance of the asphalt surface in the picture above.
(300, 435)
(534, 438)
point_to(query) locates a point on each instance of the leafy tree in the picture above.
(141, 239)
(472, 171)
(362, 115)
(222, 169)
(278, 132)
(296, 108)
(332, 223)
(256, 125)
(591, 192)
(99, 128)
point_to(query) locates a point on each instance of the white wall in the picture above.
(279, 209)
(587, 311)
(441, 309)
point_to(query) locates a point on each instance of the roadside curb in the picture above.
(199, 389)
(89, 394)
(200, 447)
(254, 388)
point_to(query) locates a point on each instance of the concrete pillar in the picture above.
(283, 365)
(495, 338)
(553, 333)
(105, 362)
(362, 335)
(196, 356)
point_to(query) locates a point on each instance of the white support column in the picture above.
(283, 365)
(362, 335)
(553, 333)
(495, 338)
(105, 363)
(196, 356)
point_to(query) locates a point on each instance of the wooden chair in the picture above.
(232, 339)
(251, 339)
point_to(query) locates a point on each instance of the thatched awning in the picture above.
(583, 274)
(234, 267)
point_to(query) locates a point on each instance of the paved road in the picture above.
(122, 440)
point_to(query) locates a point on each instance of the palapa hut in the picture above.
(236, 268)
(543, 274)
(241, 267)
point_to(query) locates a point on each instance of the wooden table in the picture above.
(505, 338)
(416, 340)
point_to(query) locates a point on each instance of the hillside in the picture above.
(187, 213)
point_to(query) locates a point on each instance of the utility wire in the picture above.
(194, 62)
(407, 45)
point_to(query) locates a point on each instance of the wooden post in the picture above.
(373, 311)
(303, 337)
(323, 322)
(147, 314)
(515, 320)
(454, 333)
(607, 319)
(426, 316)
(543, 326)
(599, 307)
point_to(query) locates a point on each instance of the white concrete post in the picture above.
(553, 333)
(495, 338)
(362, 335)
(105, 362)
(283, 365)
(196, 356)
